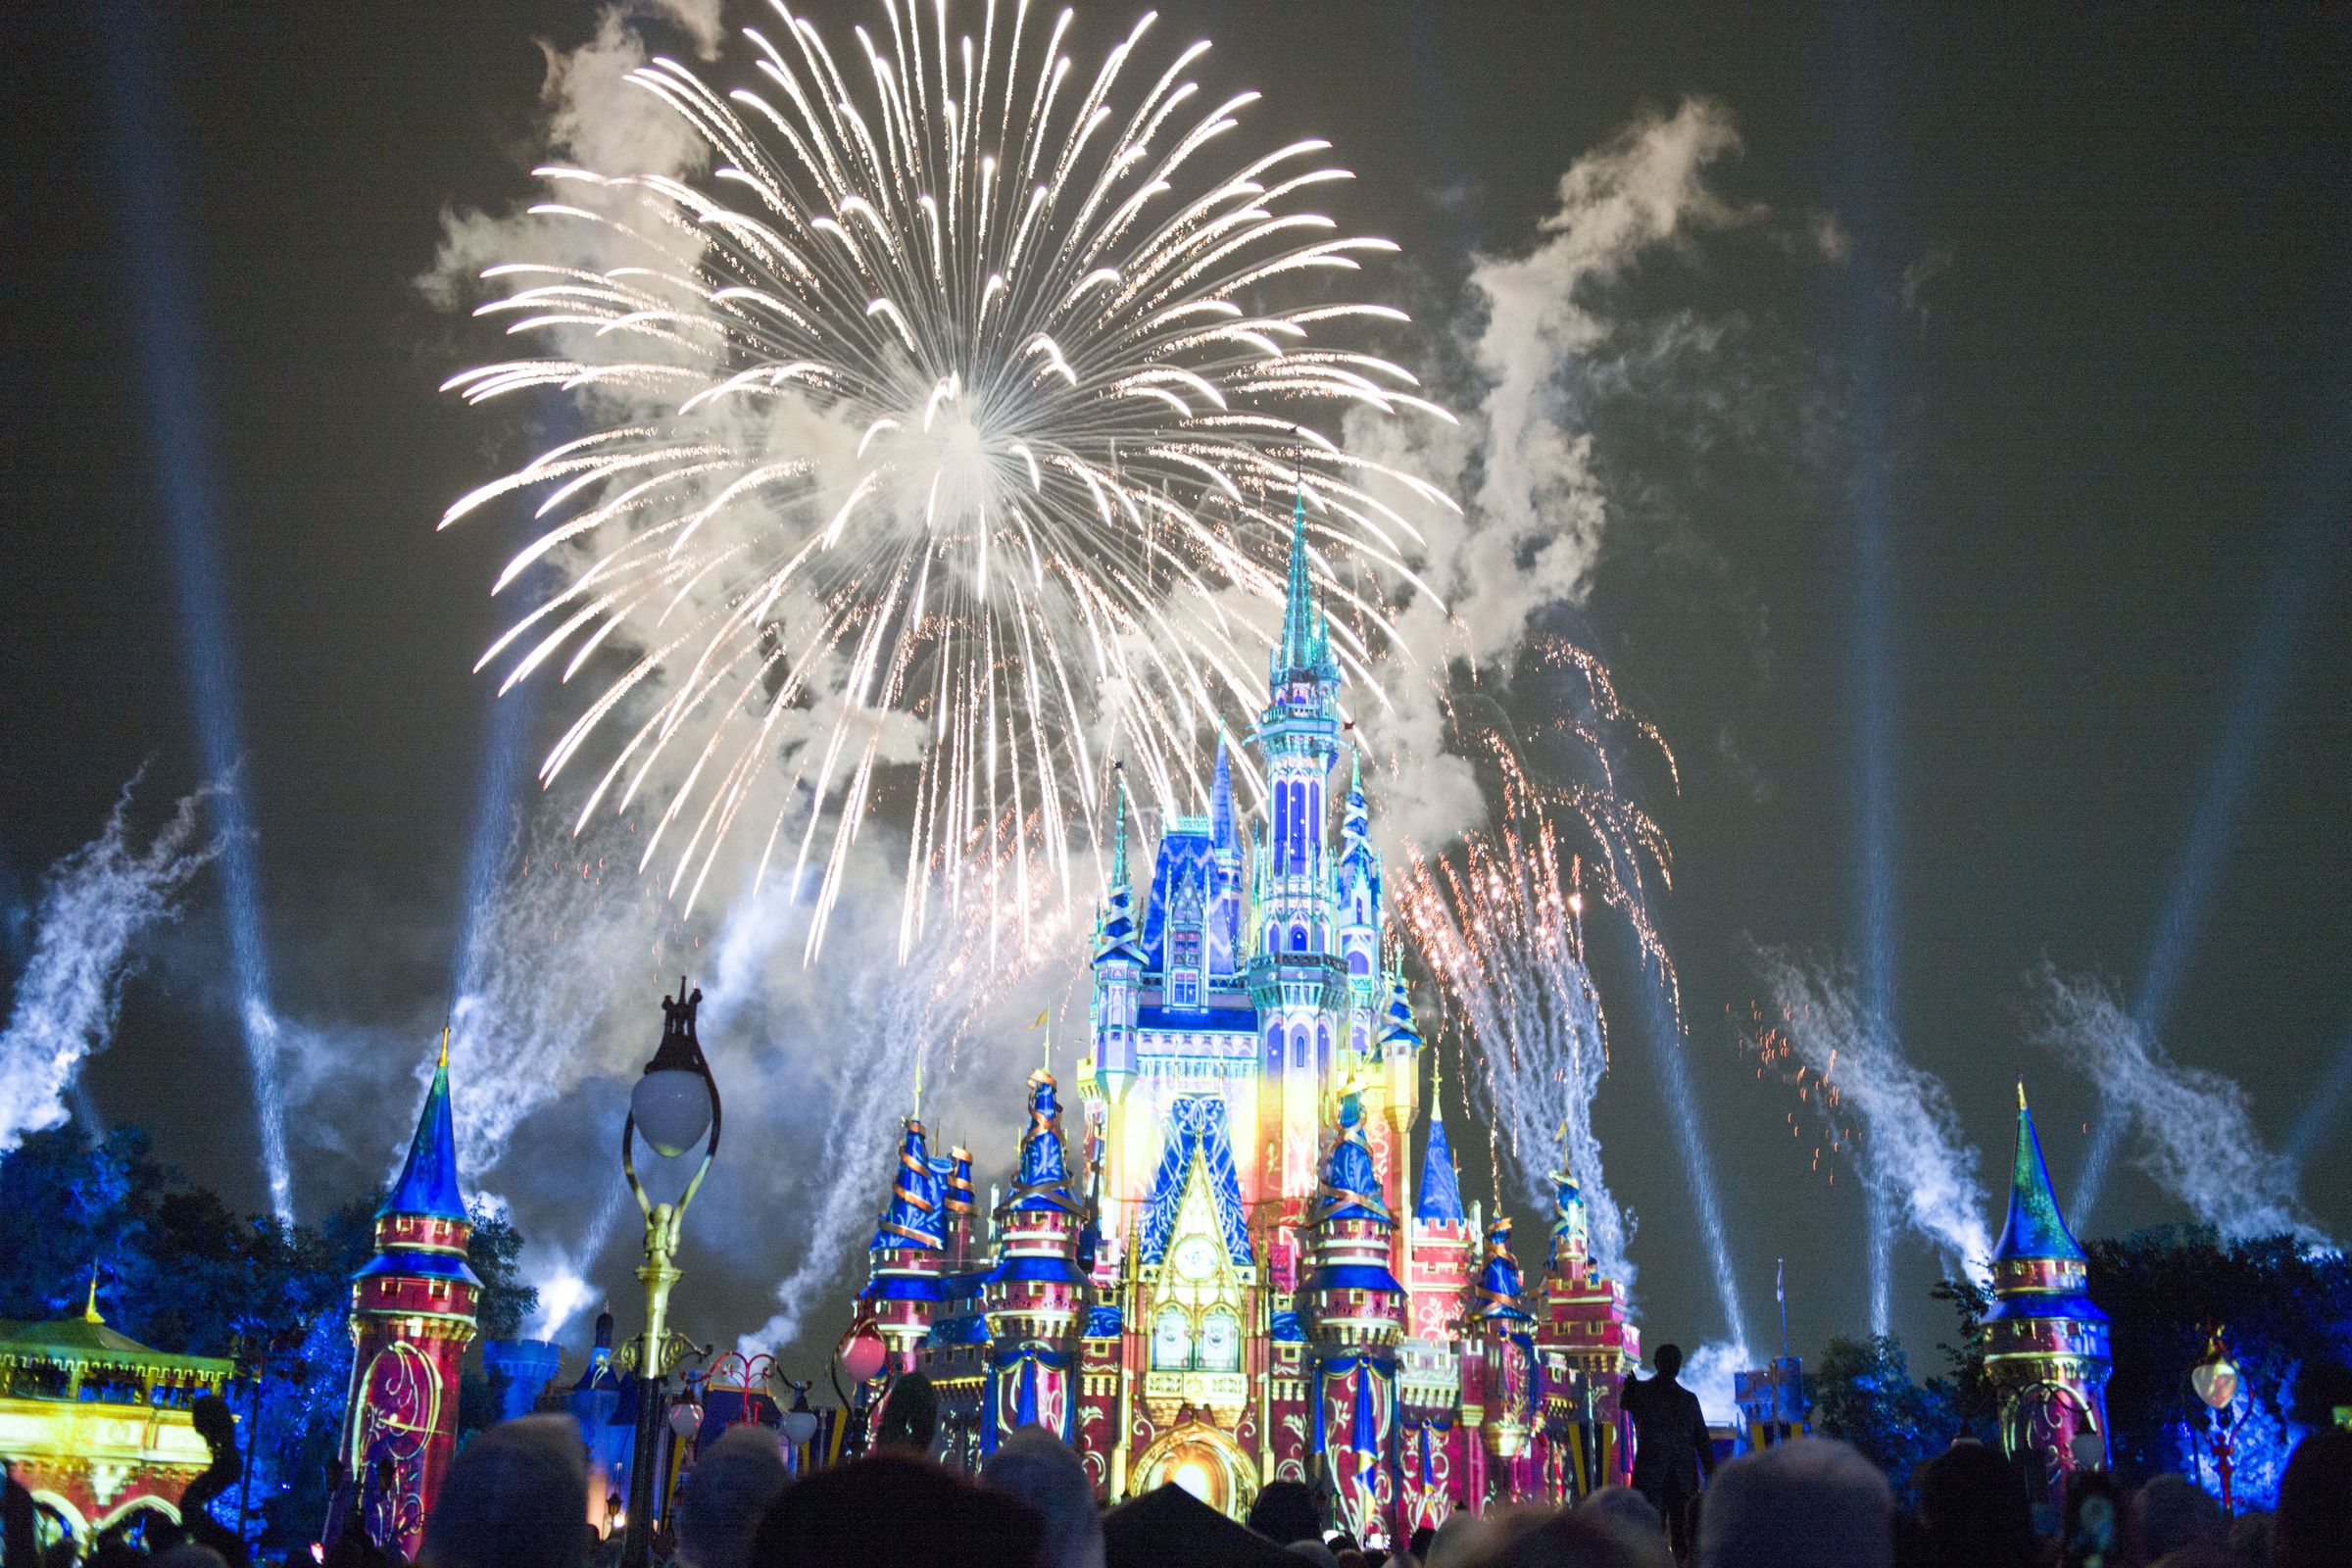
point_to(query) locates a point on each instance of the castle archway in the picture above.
(1205, 1462)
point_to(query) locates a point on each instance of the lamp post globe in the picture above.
(675, 1106)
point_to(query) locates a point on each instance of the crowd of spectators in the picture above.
(515, 1499)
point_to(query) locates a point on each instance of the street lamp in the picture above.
(862, 1355)
(671, 1107)
(2215, 1380)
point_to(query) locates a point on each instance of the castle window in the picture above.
(1171, 1341)
(1298, 939)
(1220, 1342)
(1358, 963)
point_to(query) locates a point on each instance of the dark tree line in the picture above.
(2288, 1310)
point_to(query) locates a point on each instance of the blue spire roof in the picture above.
(914, 1219)
(2035, 1229)
(1440, 1200)
(1223, 836)
(1043, 1179)
(1304, 651)
(1397, 1026)
(1567, 1214)
(1350, 1178)
(1498, 1279)
(1116, 931)
(429, 1182)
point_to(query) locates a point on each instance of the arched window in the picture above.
(1220, 1342)
(1359, 962)
(1322, 1043)
(1171, 1339)
(1274, 1045)
(1299, 1046)
(1298, 939)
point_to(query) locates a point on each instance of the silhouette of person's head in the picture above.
(214, 1423)
(1974, 1507)
(1668, 1359)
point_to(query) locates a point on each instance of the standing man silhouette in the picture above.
(1671, 1446)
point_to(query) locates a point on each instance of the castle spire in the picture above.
(1440, 1189)
(1223, 835)
(2035, 1229)
(429, 1182)
(1303, 652)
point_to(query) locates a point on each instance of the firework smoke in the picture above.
(95, 907)
(1895, 1119)
(930, 452)
(1500, 934)
(2196, 1132)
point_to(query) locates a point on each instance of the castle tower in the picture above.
(2046, 1341)
(961, 1204)
(1589, 1347)
(908, 1251)
(1118, 966)
(1355, 1312)
(1438, 1264)
(1507, 1349)
(1036, 1296)
(1297, 979)
(412, 1317)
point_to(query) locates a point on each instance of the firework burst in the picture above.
(944, 437)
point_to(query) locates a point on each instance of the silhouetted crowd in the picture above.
(515, 1499)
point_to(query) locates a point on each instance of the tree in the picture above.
(1862, 1392)
(2288, 1310)
(180, 1270)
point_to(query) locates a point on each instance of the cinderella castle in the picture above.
(1220, 1276)
(1227, 1272)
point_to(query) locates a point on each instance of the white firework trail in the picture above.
(943, 438)
(1896, 1119)
(1498, 925)
(96, 906)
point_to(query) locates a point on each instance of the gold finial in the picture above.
(89, 1313)
(1436, 1086)
(445, 1048)
(917, 1114)
(2021, 1092)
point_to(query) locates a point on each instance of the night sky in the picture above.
(2081, 350)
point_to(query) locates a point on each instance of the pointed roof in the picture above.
(1043, 1178)
(1115, 930)
(1568, 1233)
(914, 1219)
(1304, 651)
(1223, 835)
(1350, 1177)
(1440, 1200)
(1499, 1281)
(429, 1182)
(1396, 1025)
(2035, 1229)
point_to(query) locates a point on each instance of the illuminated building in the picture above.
(98, 1423)
(1250, 1288)
(2046, 1341)
(412, 1317)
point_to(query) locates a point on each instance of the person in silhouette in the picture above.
(1671, 1446)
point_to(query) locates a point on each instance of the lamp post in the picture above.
(670, 1108)
(799, 1426)
(2215, 1380)
(862, 1355)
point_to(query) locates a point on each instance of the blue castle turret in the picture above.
(2045, 1340)
(908, 1251)
(413, 1307)
(1036, 1295)
(1356, 1314)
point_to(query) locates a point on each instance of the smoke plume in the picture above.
(2195, 1130)
(96, 906)
(1898, 1118)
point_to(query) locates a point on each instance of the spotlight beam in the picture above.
(149, 199)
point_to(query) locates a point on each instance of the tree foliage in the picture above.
(180, 1270)
(1862, 1392)
(2287, 1311)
